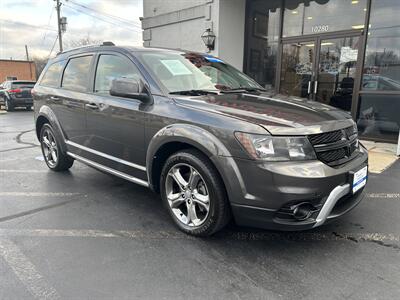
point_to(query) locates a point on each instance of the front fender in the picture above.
(206, 142)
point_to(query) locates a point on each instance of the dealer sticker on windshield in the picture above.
(360, 179)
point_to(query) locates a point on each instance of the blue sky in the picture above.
(34, 23)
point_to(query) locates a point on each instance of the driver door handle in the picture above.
(55, 98)
(92, 106)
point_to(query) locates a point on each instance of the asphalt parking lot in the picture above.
(87, 235)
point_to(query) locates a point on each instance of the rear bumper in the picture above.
(265, 195)
(21, 101)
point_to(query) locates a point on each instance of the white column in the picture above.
(398, 145)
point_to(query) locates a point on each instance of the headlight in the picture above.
(270, 148)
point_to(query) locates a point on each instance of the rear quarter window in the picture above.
(52, 76)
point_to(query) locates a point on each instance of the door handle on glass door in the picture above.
(309, 87)
(315, 87)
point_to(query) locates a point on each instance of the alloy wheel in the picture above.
(187, 195)
(49, 147)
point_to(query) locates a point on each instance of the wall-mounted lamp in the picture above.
(208, 38)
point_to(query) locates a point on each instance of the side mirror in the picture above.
(129, 88)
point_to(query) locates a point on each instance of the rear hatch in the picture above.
(22, 89)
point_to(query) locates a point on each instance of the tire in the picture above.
(181, 200)
(8, 105)
(55, 159)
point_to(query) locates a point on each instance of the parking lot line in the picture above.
(252, 236)
(25, 271)
(24, 171)
(37, 194)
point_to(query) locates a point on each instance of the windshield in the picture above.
(191, 71)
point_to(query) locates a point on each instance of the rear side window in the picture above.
(52, 76)
(76, 74)
(110, 67)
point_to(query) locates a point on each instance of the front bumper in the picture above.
(266, 192)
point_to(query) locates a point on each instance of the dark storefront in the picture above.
(344, 53)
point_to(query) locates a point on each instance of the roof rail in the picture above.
(107, 43)
(76, 48)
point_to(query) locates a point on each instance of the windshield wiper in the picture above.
(194, 92)
(243, 90)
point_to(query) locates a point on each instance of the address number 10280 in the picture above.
(319, 28)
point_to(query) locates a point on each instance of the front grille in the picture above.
(336, 147)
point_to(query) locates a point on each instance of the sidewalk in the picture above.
(381, 155)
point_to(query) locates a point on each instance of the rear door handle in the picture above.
(55, 98)
(92, 106)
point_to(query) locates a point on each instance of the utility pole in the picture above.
(27, 53)
(58, 7)
(30, 64)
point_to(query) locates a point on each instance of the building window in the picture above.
(262, 21)
(382, 58)
(322, 16)
(378, 114)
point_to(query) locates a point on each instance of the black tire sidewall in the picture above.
(213, 187)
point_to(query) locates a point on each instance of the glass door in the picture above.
(336, 71)
(298, 68)
(323, 69)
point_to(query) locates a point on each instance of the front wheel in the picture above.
(55, 159)
(194, 193)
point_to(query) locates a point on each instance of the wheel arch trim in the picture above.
(204, 141)
(46, 112)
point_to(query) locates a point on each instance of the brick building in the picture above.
(21, 69)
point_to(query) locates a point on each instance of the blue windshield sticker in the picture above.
(213, 59)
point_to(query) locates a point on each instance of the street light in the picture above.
(208, 38)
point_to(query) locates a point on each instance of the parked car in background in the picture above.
(16, 93)
(204, 135)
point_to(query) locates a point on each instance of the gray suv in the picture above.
(205, 136)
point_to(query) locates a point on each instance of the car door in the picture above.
(68, 102)
(115, 125)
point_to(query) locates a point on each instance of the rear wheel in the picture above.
(8, 105)
(55, 159)
(194, 194)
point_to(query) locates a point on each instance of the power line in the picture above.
(116, 18)
(52, 48)
(48, 24)
(99, 18)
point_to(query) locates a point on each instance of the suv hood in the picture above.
(278, 114)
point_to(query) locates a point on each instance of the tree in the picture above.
(40, 63)
(81, 42)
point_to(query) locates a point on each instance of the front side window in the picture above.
(191, 71)
(52, 76)
(110, 67)
(76, 74)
